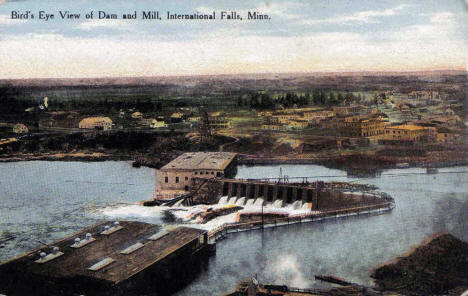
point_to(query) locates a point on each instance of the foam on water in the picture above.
(250, 202)
(297, 204)
(287, 268)
(278, 203)
(179, 203)
(215, 223)
(190, 214)
(232, 200)
(132, 211)
(240, 201)
(223, 200)
(258, 202)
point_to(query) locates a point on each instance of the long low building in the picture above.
(99, 123)
(110, 258)
(176, 177)
(408, 132)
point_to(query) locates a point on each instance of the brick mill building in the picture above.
(176, 177)
(360, 126)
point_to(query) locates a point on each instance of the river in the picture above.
(43, 200)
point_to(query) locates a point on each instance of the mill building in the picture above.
(177, 177)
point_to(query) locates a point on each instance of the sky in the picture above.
(300, 36)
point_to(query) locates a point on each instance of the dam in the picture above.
(313, 196)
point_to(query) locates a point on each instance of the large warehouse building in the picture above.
(176, 177)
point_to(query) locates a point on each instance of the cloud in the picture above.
(225, 54)
(442, 18)
(6, 20)
(282, 10)
(368, 16)
(439, 28)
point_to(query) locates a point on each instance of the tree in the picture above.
(239, 101)
(322, 98)
(340, 98)
(332, 98)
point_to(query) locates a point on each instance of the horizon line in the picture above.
(461, 69)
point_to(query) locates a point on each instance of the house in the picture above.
(445, 135)
(137, 115)
(408, 132)
(264, 113)
(218, 120)
(194, 119)
(20, 128)
(177, 117)
(158, 124)
(318, 116)
(99, 123)
(345, 110)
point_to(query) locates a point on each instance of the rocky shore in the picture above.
(437, 266)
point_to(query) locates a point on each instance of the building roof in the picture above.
(95, 120)
(177, 115)
(409, 127)
(201, 160)
(445, 130)
(214, 114)
(132, 236)
(20, 125)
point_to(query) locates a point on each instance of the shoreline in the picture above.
(80, 156)
(332, 161)
(336, 162)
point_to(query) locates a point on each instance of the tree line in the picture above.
(261, 100)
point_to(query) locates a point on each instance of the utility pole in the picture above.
(263, 222)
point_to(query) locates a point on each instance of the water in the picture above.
(48, 200)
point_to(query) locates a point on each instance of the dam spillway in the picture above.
(313, 196)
